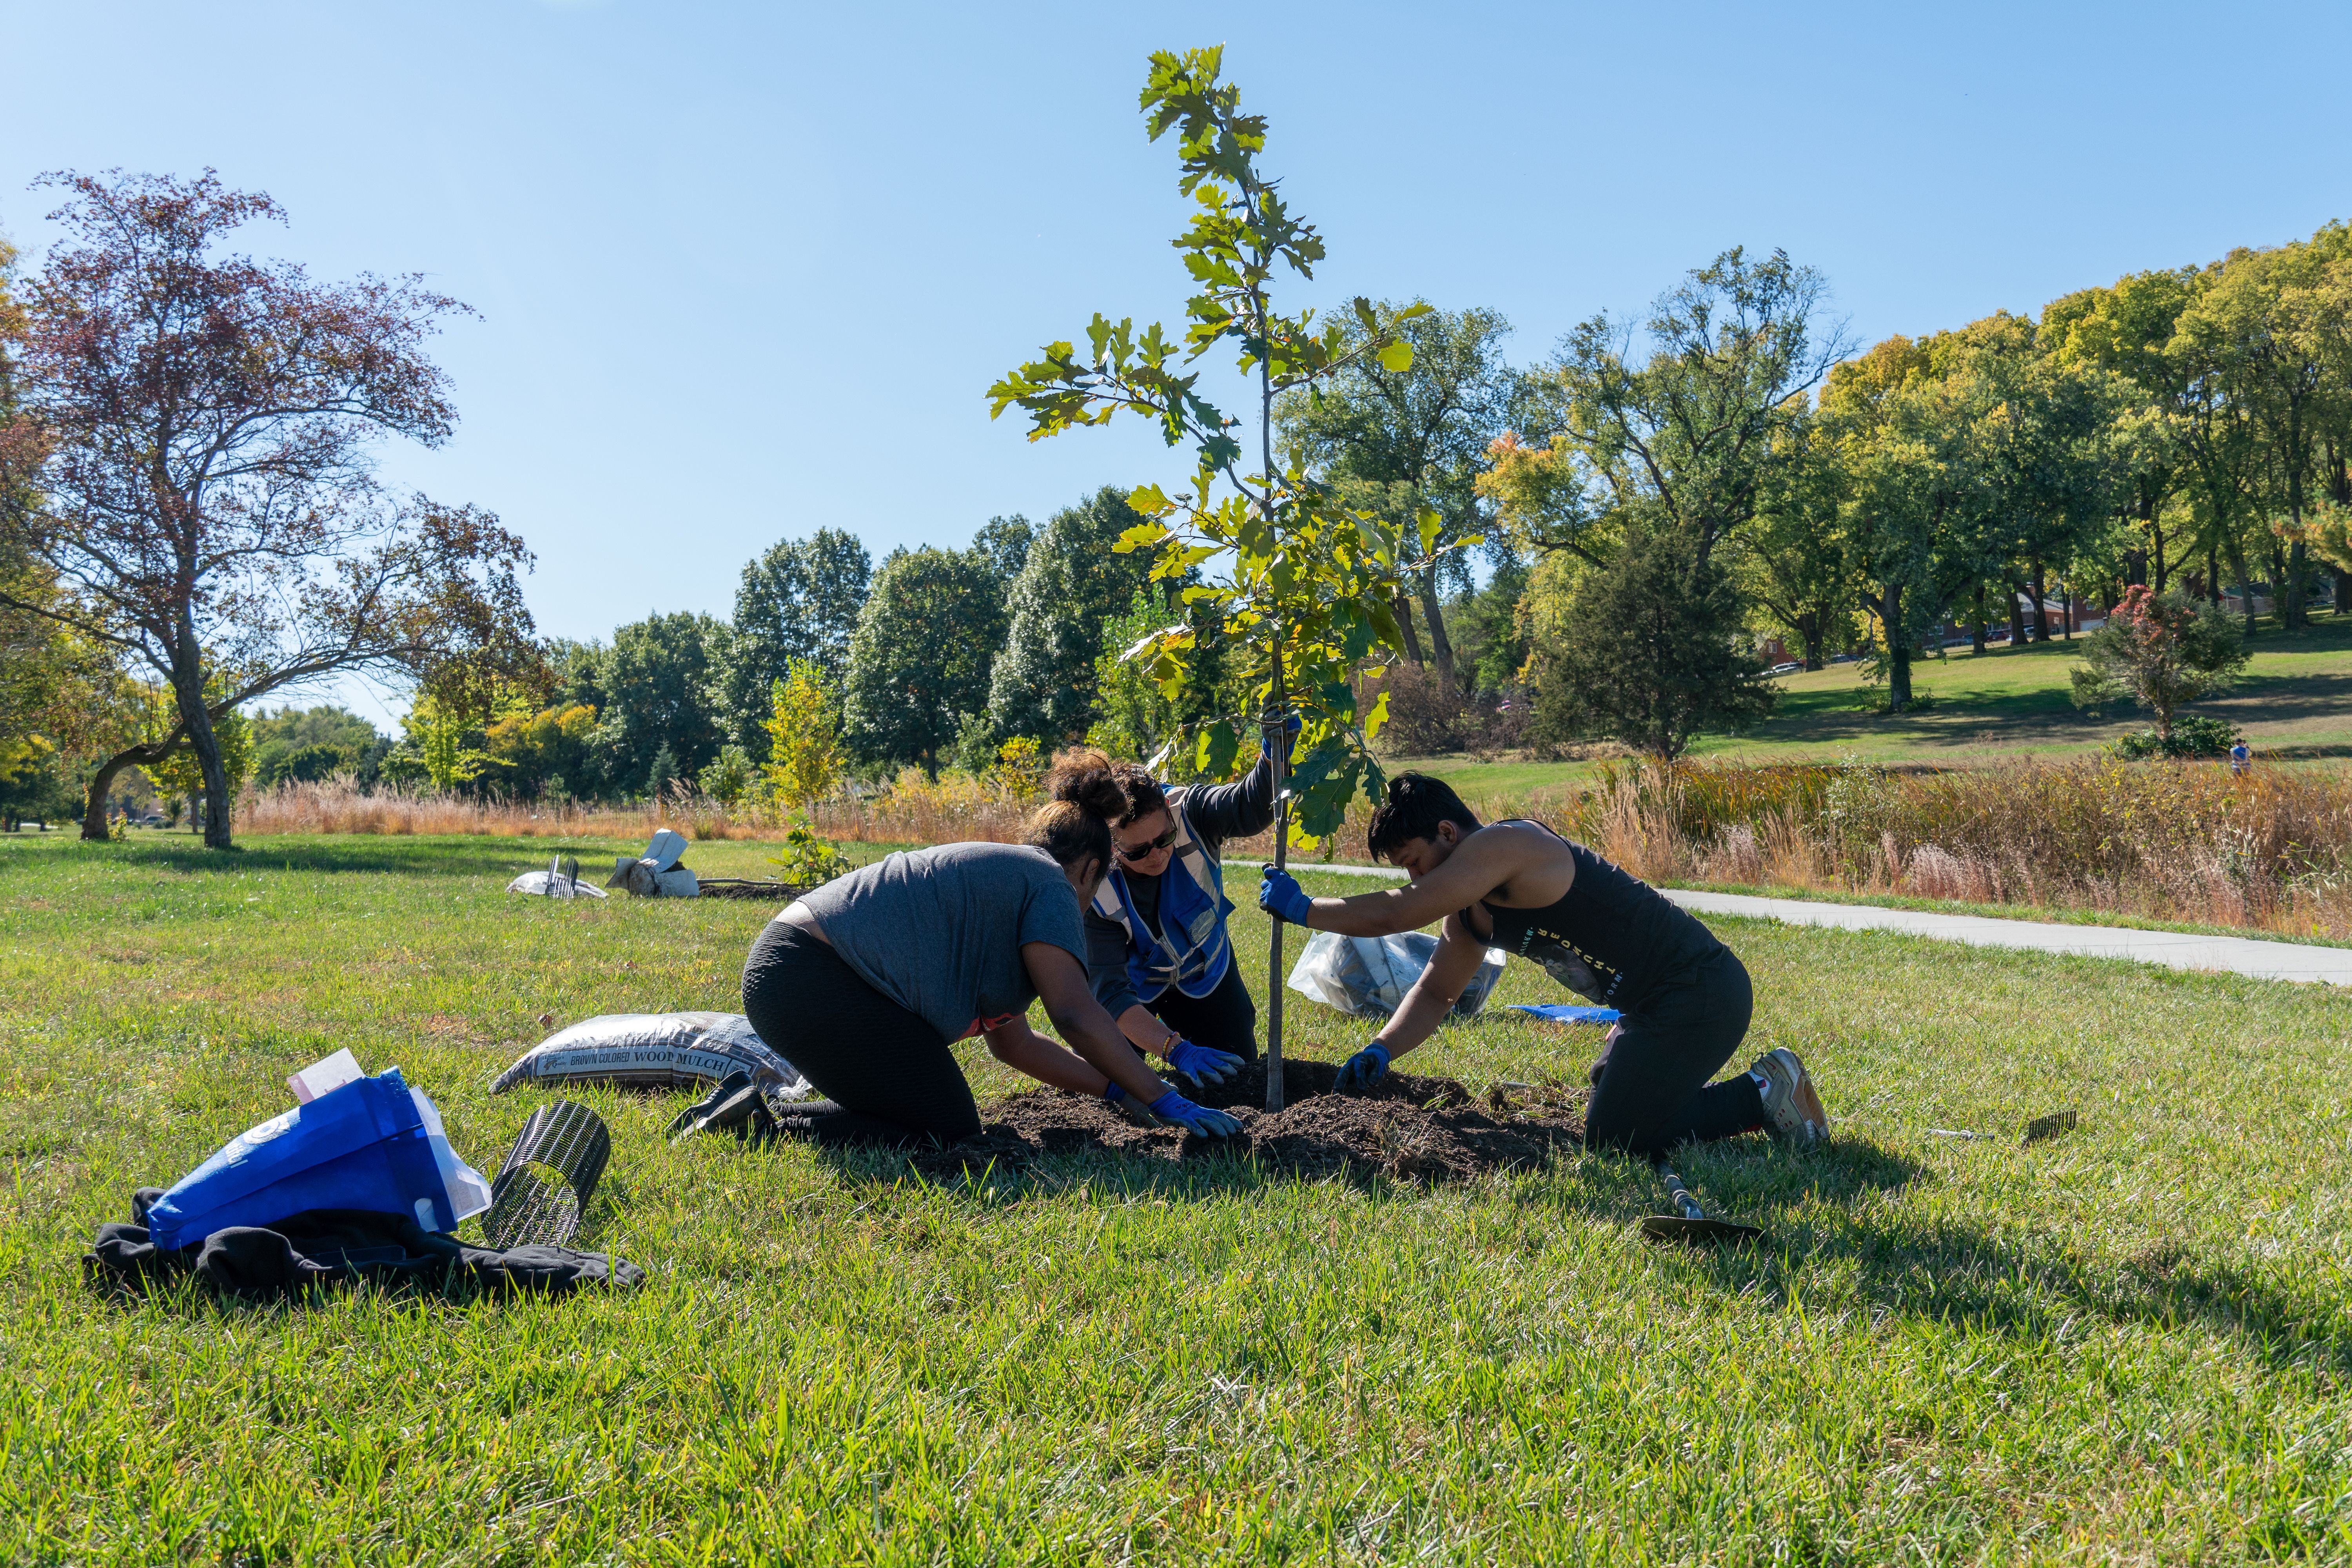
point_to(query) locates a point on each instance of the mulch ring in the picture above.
(1412, 1129)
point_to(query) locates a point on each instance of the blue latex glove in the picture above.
(1363, 1070)
(1173, 1107)
(1282, 898)
(1201, 1064)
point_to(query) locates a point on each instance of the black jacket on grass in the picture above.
(333, 1248)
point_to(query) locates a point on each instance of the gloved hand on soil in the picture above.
(1201, 1064)
(1363, 1070)
(1175, 1109)
(1282, 898)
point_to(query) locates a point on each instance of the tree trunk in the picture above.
(1977, 627)
(2016, 613)
(1806, 627)
(2041, 604)
(2067, 610)
(1281, 704)
(1403, 609)
(2156, 578)
(93, 811)
(1898, 649)
(188, 689)
(2245, 583)
(2212, 577)
(2298, 561)
(1440, 645)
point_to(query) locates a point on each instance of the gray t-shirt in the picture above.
(939, 931)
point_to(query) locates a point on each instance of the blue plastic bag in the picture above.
(1568, 1012)
(374, 1144)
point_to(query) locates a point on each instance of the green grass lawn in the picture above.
(2131, 1344)
(2294, 704)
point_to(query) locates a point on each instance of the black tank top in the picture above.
(1610, 937)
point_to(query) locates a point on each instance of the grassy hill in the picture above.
(2132, 1344)
(2294, 704)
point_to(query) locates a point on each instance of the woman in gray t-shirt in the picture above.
(863, 984)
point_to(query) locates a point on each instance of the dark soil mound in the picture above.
(1417, 1128)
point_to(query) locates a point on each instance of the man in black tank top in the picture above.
(1684, 997)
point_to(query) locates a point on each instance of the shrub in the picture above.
(2197, 735)
(728, 779)
(2158, 651)
(809, 861)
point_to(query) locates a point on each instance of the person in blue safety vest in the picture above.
(1156, 949)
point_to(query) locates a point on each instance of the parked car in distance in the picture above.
(1790, 668)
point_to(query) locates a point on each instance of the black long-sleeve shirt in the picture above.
(1217, 812)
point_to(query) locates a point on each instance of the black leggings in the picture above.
(889, 1077)
(1224, 1020)
(1652, 1092)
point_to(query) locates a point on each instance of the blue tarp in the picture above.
(1564, 1013)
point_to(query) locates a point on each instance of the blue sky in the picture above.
(746, 271)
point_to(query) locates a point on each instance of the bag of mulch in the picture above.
(656, 1050)
(1369, 976)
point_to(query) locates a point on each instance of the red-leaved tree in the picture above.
(2160, 651)
(196, 431)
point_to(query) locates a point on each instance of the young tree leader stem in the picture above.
(1278, 736)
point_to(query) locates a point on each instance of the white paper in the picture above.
(324, 1076)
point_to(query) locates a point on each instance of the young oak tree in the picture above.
(198, 429)
(1304, 583)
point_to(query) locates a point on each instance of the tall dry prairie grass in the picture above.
(2179, 841)
(910, 811)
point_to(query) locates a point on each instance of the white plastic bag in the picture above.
(1369, 976)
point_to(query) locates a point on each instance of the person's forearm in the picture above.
(1024, 1050)
(1366, 914)
(1097, 1040)
(1417, 1018)
(1143, 1026)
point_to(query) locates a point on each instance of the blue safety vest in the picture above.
(1191, 950)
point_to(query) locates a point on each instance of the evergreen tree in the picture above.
(664, 774)
(1651, 653)
(1044, 684)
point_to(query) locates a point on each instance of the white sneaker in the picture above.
(1791, 1108)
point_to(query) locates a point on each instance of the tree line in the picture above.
(1607, 543)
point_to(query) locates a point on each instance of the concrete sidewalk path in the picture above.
(2175, 950)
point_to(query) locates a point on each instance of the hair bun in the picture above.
(1085, 777)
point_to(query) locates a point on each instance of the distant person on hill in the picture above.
(1158, 952)
(864, 983)
(2241, 757)
(1683, 996)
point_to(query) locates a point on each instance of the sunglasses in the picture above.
(1146, 851)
